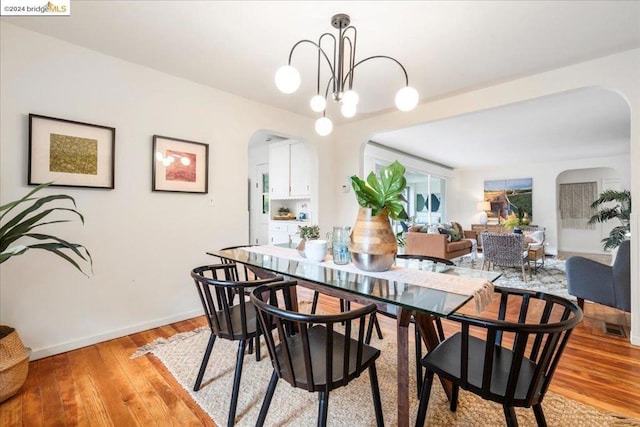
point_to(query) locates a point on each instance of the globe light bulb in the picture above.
(185, 161)
(159, 156)
(348, 110)
(350, 97)
(287, 79)
(324, 126)
(166, 161)
(318, 103)
(407, 98)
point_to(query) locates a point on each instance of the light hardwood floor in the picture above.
(101, 385)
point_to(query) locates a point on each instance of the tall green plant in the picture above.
(621, 211)
(26, 219)
(384, 191)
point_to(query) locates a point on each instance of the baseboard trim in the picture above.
(106, 336)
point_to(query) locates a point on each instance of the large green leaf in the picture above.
(384, 191)
(25, 220)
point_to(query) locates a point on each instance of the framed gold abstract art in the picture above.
(179, 165)
(70, 153)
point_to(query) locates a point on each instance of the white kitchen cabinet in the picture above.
(284, 232)
(279, 170)
(299, 170)
(289, 165)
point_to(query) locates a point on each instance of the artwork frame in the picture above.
(508, 196)
(170, 173)
(69, 153)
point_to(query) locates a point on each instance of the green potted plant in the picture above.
(373, 244)
(307, 232)
(621, 211)
(17, 223)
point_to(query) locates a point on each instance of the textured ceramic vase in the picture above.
(373, 244)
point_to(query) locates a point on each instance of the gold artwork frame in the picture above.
(70, 153)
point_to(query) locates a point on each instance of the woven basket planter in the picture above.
(14, 362)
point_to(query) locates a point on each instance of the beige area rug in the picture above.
(349, 406)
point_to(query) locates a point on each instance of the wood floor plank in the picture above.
(95, 404)
(120, 379)
(11, 412)
(31, 400)
(122, 350)
(74, 412)
(53, 410)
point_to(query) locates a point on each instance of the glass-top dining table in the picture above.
(419, 289)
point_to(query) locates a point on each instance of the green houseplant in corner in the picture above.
(18, 222)
(621, 211)
(373, 243)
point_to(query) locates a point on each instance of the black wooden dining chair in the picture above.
(509, 359)
(309, 353)
(230, 316)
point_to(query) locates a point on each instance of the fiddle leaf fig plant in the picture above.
(383, 191)
(18, 222)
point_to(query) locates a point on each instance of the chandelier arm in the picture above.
(319, 49)
(406, 76)
(334, 61)
(352, 45)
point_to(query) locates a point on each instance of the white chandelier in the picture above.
(341, 70)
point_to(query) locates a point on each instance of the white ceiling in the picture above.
(447, 47)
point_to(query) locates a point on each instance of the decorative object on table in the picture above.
(340, 245)
(483, 207)
(525, 220)
(307, 232)
(508, 196)
(67, 153)
(511, 222)
(14, 357)
(179, 166)
(373, 244)
(621, 211)
(315, 250)
(340, 74)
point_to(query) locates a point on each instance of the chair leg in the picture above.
(581, 303)
(257, 347)
(510, 416)
(267, 399)
(453, 404)
(205, 361)
(367, 338)
(425, 394)
(539, 413)
(377, 325)
(375, 392)
(314, 304)
(236, 383)
(323, 408)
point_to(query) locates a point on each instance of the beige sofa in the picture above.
(437, 245)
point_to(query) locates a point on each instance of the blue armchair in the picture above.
(593, 281)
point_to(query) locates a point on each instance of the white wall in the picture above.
(618, 73)
(143, 243)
